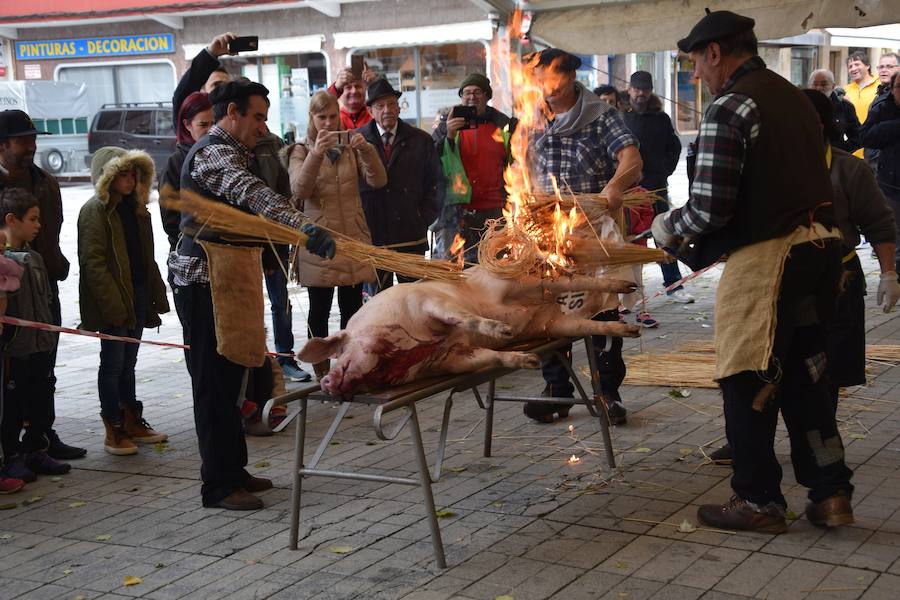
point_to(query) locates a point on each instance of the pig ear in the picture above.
(318, 349)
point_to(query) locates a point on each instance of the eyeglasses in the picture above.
(473, 94)
(886, 67)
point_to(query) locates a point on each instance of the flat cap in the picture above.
(562, 60)
(236, 90)
(716, 25)
(641, 80)
(17, 123)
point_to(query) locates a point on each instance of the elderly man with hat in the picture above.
(482, 144)
(586, 147)
(780, 281)
(218, 167)
(399, 213)
(18, 143)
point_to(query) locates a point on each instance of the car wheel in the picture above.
(53, 161)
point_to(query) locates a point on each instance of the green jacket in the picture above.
(106, 294)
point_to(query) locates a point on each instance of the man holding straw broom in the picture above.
(761, 193)
(217, 167)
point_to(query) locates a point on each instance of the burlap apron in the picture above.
(747, 297)
(235, 280)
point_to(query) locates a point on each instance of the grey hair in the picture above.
(827, 73)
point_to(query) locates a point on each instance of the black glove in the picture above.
(320, 241)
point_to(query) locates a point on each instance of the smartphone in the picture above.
(357, 64)
(469, 113)
(343, 138)
(246, 43)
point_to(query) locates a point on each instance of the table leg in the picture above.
(598, 400)
(489, 417)
(425, 478)
(299, 441)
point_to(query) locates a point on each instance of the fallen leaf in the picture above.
(159, 565)
(790, 515)
(80, 598)
(32, 500)
(497, 504)
(56, 479)
(704, 326)
(146, 380)
(262, 464)
(685, 451)
(443, 514)
(504, 597)
(621, 565)
(103, 538)
(67, 571)
(6, 536)
(687, 527)
(179, 395)
(678, 393)
(163, 493)
(455, 469)
(860, 578)
(8, 506)
(131, 580)
(134, 489)
(162, 447)
(857, 436)
(641, 450)
(77, 504)
(340, 549)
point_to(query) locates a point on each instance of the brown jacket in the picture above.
(328, 194)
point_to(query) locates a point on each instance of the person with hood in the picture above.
(660, 150)
(324, 182)
(120, 290)
(483, 148)
(585, 146)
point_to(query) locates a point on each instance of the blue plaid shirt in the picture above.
(583, 160)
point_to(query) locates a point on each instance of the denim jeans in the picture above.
(276, 286)
(670, 271)
(115, 379)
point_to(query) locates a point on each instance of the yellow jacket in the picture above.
(861, 98)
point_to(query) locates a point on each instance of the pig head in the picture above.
(434, 327)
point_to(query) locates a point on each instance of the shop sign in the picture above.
(32, 71)
(121, 45)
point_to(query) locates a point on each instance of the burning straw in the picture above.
(238, 226)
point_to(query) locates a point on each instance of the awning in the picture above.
(301, 44)
(880, 36)
(413, 36)
(610, 26)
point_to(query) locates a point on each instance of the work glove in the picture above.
(319, 241)
(888, 291)
(661, 234)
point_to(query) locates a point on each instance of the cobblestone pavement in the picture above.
(523, 524)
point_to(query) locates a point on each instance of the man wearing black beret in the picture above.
(217, 167)
(761, 194)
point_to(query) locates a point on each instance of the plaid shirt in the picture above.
(584, 160)
(223, 169)
(729, 128)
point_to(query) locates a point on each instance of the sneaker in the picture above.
(43, 464)
(293, 372)
(10, 485)
(681, 296)
(738, 514)
(15, 469)
(62, 451)
(646, 321)
(831, 512)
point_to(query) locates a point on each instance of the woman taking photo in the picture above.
(324, 172)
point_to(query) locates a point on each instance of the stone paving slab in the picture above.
(523, 523)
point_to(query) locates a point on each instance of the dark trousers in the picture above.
(56, 312)
(276, 286)
(385, 279)
(27, 396)
(610, 365)
(670, 271)
(845, 337)
(893, 196)
(183, 319)
(799, 370)
(216, 385)
(115, 378)
(320, 299)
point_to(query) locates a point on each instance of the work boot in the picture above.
(62, 451)
(137, 428)
(831, 512)
(256, 484)
(42, 463)
(239, 499)
(321, 368)
(722, 456)
(117, 441)
(738, 514)
(543, 412)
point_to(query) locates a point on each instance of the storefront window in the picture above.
(291, 80)
(803, 63)
(428, 76)
(128, 82)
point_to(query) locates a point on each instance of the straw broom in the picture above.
(238, 226)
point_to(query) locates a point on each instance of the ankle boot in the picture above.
(137, 428)
(117, 441)
(322, 368)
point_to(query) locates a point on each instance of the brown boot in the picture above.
(738, 514)
(117, 441)
(831, 512)
(138, 429)
(322, 368)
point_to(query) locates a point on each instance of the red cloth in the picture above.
(484, 159)
(640, 219)
(351, 120)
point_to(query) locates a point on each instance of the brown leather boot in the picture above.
(137, 428)
(831, 512)
(321, 368)
(738, 514)
(117, 441)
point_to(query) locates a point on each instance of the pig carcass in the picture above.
(427, 328)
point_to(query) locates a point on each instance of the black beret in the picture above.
(236, 90)
(715, 26)
(641, 80)
(562, 60)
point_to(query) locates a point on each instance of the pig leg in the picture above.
(468, 359)
(573, 326)
(580, 282)
(446, 312)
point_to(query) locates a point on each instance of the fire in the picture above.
(574, 460)
(459, 184)
(529, 90)
(457, 250)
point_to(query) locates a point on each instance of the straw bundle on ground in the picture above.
(697, 346)
(236, 225)
(671, 370)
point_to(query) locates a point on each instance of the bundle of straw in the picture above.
(238, 226)
(882, 352)
(671, 370)
(697, 346)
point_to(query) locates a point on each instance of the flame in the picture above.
(459, 184)
(529, 88)
(574, 460)
(457, 250)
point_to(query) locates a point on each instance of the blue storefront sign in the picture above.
(120, 45)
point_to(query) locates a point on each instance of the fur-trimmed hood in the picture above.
(109, 160)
